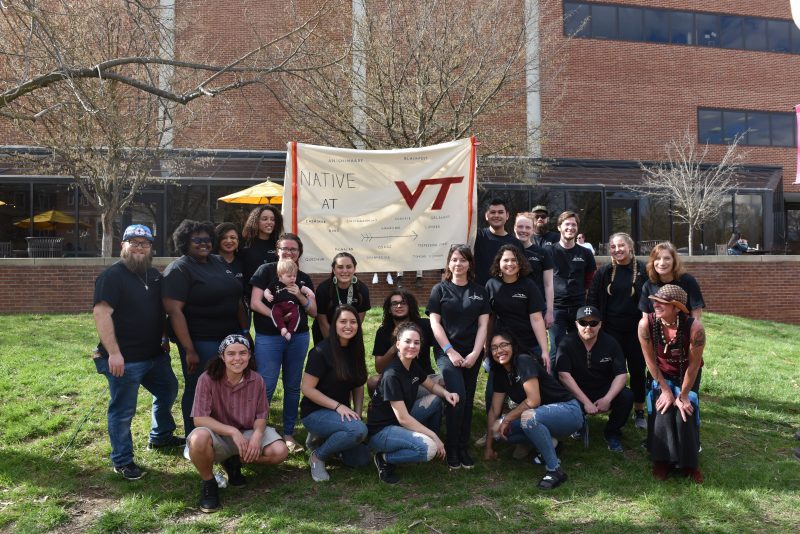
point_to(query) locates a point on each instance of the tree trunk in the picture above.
(691, 241)
(107, 219)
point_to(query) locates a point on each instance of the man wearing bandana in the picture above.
(133, 350)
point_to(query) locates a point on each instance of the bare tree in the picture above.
(429, 72)
(692, 190)
(98, 82)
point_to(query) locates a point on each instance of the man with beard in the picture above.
(542, 236)
(133, 350)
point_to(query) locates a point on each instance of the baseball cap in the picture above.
(137, 230)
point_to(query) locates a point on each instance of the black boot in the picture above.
(233, 468)
(209, 496)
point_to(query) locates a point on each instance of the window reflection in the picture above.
(749, 218)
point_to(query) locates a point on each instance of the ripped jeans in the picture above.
(403, 446)
(539, 425)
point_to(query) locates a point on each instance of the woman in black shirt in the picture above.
(259, 240)
(204, 302)
(665, 267)
(545, 409)
(335, 373)
(341, 288)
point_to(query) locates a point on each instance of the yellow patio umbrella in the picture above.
(264, 193)
(49, 220)
(2, 203)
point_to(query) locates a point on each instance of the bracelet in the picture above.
(447, 347)
(307, 304)
(337, 406)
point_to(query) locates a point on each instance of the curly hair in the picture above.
(183, 233)
(522, 261)
(411, 304)
(250, 230)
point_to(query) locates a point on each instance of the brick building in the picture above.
(635, 75)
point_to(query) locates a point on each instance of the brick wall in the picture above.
(758, 287)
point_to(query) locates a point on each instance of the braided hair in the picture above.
(634, 266)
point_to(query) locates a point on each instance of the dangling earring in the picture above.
(354, 280)
(334, 280)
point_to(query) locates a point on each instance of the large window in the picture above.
(760, 128)
(630, 23)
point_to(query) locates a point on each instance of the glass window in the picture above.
(517, 201)
(733, 123)
(587, 204)
(630, 23)
(757, 128)
(576, 19)
(731, 32)
(778, 34)
(707, 29)
(795, 31)
(793, 230)
(783, 129)
(552, 198)
(17, 207)
(755, 34)
(604, 22)
(709, 126)
(656, 26)
(681, 27)
(681, 239)
(185, 201)
(654, 220)
(224, 212)
(749, 220)
(718, 231)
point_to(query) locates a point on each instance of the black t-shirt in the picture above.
(513, 305)
(540, 260)
(210, 293)
(279, 293)
(236, 267)
(607, 362)
(549, 239)
(268, 274)
(384, 341)
(397, 384)
(687, 282)
(526, 367)
(259, 252)
(138, 316)
(486, 246)
(619, 310)
(460, 307)
(320, 363)
(569, 272)
(329, 296)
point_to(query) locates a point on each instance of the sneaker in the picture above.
(577, 435)
(385, 469)
(465, 459)
(614, 444)
(481, 441)
(222, 482)
(318, 471)
(233, 469)
(552, 479)
(172, 442)
(453, 460)
(661, 470)
(638, 419)
(521, 451)
(292, 445)
(209, 496)
(694, 474)
(186, 453)
(129, 472)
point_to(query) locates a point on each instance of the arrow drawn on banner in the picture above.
(370, 237)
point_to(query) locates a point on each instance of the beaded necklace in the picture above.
(670, 356)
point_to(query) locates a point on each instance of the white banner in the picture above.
(394, 210)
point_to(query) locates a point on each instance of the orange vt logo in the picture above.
(443, 183)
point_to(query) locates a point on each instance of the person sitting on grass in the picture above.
(230, 414)
(591, 366)
(284, 303)
(544, 410)
(394, 434)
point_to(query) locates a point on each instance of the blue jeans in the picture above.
(345, 437)
(273, 353)
(560, 420)
(207, 351)
(402, 446)
(427, 410)
(157, 377)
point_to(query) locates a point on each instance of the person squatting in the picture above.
(623, 340)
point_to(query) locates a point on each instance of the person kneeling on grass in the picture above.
(230, 414)
(394, 434)
(545, 409)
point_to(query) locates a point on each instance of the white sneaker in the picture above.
(186, 453)
(222, 482)
(318, 471)
(481, 441)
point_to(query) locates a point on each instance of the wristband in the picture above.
(337, 406)
(447, 347)
(307, 304)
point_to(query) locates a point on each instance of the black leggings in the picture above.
(628, 339)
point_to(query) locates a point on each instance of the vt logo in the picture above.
(444, 186)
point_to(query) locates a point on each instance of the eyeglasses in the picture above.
(499, 346)
(398, 303)
(200, 240)
(289, 249)
(588, 323)
(140, 244)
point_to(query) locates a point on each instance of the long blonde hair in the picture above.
(634, 266)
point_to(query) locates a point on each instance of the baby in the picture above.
(285, 306)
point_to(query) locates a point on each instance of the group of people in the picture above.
(560, 342)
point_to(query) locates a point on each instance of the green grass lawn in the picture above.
(55, 473)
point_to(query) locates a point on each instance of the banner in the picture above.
(393, 210)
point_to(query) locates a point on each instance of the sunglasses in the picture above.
(588, 323)
(200, 240)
